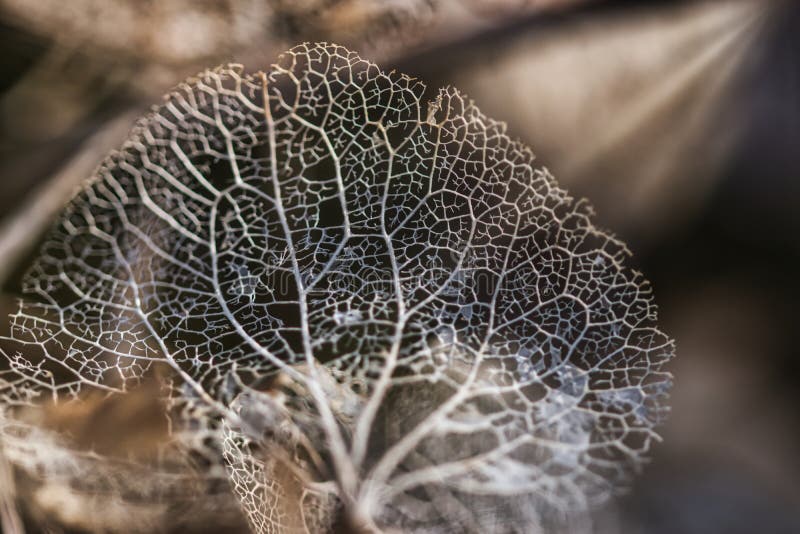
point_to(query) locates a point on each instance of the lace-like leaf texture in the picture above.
(383, 288)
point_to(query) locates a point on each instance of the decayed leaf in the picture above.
(368, 301)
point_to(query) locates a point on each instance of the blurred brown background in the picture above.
(680, 121)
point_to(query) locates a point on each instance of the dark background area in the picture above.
(723, 261)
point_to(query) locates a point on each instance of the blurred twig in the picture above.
(21, 230)
(9, 516)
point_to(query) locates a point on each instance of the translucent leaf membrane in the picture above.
(373, 297)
